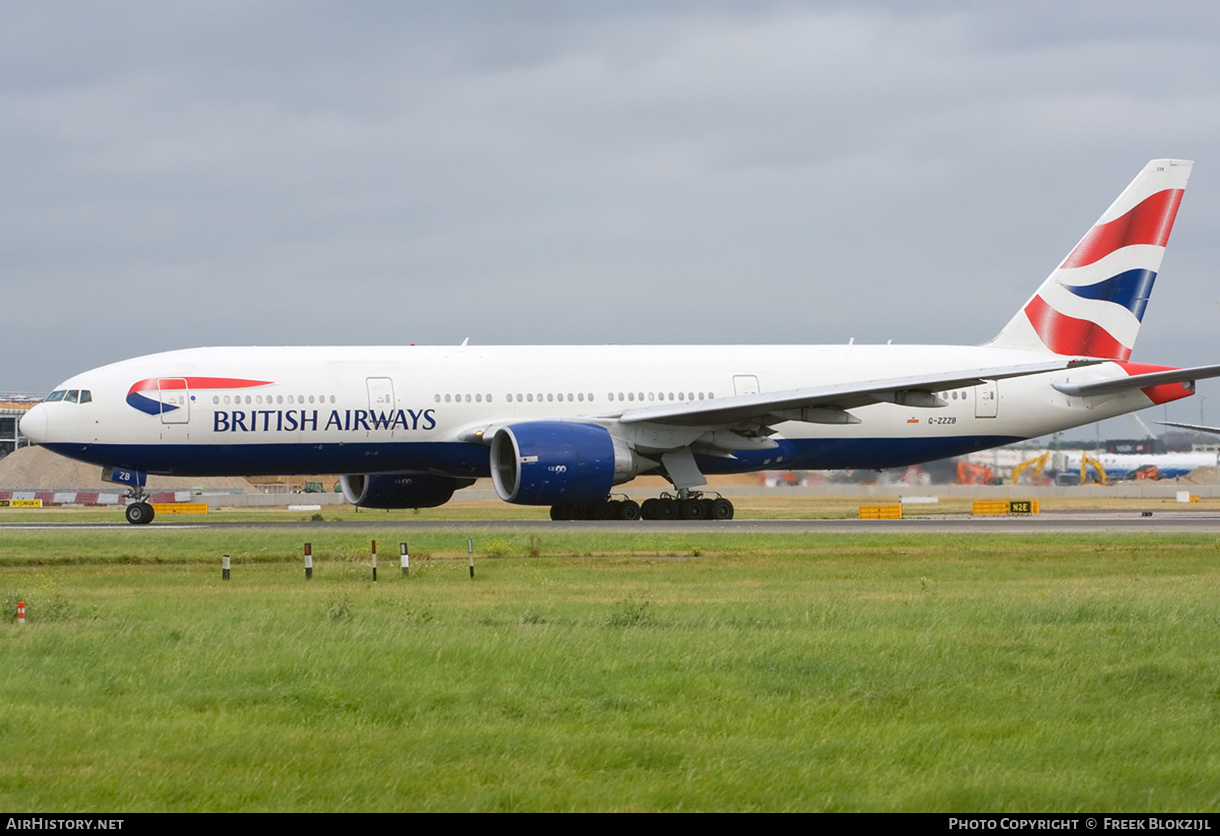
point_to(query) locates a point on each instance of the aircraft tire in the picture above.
(691, 509)
(139, 513)
(629, 509)
(722, 509)
(665, 509)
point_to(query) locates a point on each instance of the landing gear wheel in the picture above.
(665, 509)
(722, 509)
(140, 513)
(605, 510)
(629, 509)
(569, 511)
(691, 509)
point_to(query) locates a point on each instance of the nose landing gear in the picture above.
(138, 510)
(140, 513)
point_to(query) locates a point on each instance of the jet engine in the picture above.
(400, 490)
(553, 462)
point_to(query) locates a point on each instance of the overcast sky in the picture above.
(204, 173)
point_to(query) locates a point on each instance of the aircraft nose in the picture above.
(34, 424)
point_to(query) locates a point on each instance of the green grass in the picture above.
(609, 671)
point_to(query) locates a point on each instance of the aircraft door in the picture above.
(381, 392)
(986, 399)
(745, 384)
(175, 397)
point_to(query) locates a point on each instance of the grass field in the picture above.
(590, 671)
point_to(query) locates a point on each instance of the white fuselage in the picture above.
(249, 411)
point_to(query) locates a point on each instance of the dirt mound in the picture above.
(1199, 476)
(36, 468)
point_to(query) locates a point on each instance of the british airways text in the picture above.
(299, 420)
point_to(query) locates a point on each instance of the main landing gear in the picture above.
(694, 506)
(607, 509)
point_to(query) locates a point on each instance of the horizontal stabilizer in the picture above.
(1138, 381)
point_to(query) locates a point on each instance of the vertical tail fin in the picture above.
(1093, 303)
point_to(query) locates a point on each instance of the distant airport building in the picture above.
(12, 407)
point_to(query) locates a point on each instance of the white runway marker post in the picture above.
(374, 561)
(308, 561)
(405, 559)
(470, 552)
(224, 568)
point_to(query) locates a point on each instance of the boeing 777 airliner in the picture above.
(561, 426)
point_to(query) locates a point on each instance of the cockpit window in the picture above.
(57, 395)
(86, 396)
(73, 396)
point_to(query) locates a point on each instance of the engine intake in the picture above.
(552, 462)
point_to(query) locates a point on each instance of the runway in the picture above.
(1094, 522)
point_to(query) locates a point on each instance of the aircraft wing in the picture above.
(1138, 381)
(828, 404)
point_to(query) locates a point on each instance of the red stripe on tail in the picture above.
(1147, 223)
(1067, 335)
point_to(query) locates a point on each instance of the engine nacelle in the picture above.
(400, 490)
(552, 462)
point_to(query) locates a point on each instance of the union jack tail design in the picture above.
(1093, 303)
